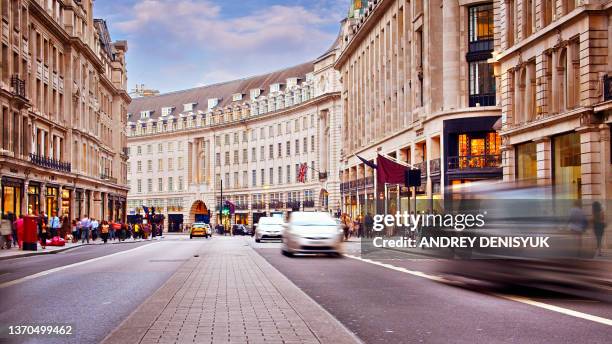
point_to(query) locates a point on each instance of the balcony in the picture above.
(434, 167)
(242, 206)
(18, 85)
(423, 167)
(50, 163)
(483, 99)
(294, 204)
(309, 204)
(106, 177)
(276, 205)
(607, 86)
(258, 205)
(474, 162)
(322, 176)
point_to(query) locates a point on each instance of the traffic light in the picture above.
(225, 210)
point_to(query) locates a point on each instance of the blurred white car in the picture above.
(269, 228)
(312, 232)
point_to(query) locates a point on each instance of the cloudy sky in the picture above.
(178, 44)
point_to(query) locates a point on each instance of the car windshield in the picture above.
(270, 221)
(312, 219)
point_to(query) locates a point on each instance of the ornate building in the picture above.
(247, 137)
(555, 62)
(417, 85)
(63, 105)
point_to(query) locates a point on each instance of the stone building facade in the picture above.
(248, 136)
(417, 85)
(555, 63)
(63, 102)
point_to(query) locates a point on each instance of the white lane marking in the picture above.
(60, 268)
(514, 298)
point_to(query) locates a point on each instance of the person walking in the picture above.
(85, 227)
(599, 225)
(104, 231)
(75, 231)
(5, 232)
(369, 224)
(66, 227)
(577, 224)
(43, 233)
(94, 229)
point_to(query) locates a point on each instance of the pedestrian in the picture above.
(123, 233)
(85, 227)
(54, 225)
(136, 233)
(18, 228)
(599, 225)
(346, 227)
(5, 231)
(577, 224)
(43, 234)
(104, 231)
(94, 229)
(75, 231)
(369, 223)
(66, 227)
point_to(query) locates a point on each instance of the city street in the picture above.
(221, 290)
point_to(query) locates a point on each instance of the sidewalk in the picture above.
(15, 252)
(229, 294)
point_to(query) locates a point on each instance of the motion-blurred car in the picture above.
(269, 228)
(311, 232)
(240, 230)
(200, 229)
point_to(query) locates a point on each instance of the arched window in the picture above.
(562, 73)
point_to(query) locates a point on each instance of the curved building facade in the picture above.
(244, 138)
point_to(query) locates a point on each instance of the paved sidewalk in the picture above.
(15, 252)
(230, 294)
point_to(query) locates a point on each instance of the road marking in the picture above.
(60, 268)
(514, 298)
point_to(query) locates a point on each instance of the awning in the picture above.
(498, 124)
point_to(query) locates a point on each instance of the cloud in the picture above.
(220, 40)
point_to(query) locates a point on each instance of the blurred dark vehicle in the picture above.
(240, 230)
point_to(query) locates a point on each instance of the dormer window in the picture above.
(212, 103)
(166, 111)
(189, 107)
(291, 82)
(145, 114)
(309, 76)
(275, 87)
(236, 97)
(254, 93)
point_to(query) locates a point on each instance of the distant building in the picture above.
(141, 91)
(250, 134)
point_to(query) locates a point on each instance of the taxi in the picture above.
(200, 229)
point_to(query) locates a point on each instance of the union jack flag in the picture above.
(301, 177)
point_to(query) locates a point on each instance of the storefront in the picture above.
(51, 200)
(12, 193)
(241, 218)
(33, 198)
(175, 222)
(566, 165)
(526, 161)
(65, 203)
(79, 203)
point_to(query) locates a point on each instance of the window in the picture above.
(236, 138)
(262, 153)
(149, 166)
(510, 23)
(218, 159)
(480, 25)
(149, 149)
(526, 161)
(170, 184)
(305, 145)
(244, 136)
(271, 152)
(139, 150)
(288, 174)
(482, 84)
(253, 154)
(245, 182)
(226, 180)
(170, 146)
(180, 146)
(236, 180)
(288, 148)
(253, 135)
(296, 125)
(129, 167)
(160, 165)
(160, 184)
(149, 185)
(236, 161)
(312, 170)
(166, 111)
(262, 176)
(139, 166)
(227, 139)
(280, 149)
(227, 158)
(270, 131)
(245, 156)
(567, 164)
(297, 147)
(280, 174)
(180, 163)
(139, 185)
(312, 143)
(160, 148)
(262, 133)
(253, 178)
(170, 164)
(188, 107)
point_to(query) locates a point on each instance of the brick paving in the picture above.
(229, 294)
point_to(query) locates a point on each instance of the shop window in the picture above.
(567, 169)
(526, 161)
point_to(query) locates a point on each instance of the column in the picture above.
(450, 55)
(25, 200)
(544, 163)
(590, 162)
(43, 198)
(508, 162)
(59, 202)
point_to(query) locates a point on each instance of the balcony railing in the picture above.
(607, 81)
(294, 204)
(434, 167)
(483, 99)
(258, 205)
(474, 162)
(104, 176)
(18, 86)
(276, 205)
(241, 206)
(50, 163)
(309, 204)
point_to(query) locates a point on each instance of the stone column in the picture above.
(450, 55)
(590, 162)
(25, 202)
(43, 198)
(544, 163)
(508, 162)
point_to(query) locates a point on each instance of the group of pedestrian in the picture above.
(354, 228)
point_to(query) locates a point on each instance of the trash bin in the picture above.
(30, 233)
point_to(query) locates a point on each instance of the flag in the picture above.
(231, 206)
(367, 162)
(389, 171)
(301, 178)
(146, 211)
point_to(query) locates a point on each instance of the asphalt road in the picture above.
(95, 295)
(382, 305)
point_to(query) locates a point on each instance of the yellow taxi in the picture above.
(200, 229)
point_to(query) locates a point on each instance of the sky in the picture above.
(179, 44)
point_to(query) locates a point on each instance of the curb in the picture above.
(38, 253)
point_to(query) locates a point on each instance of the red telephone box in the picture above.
(30, 233)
